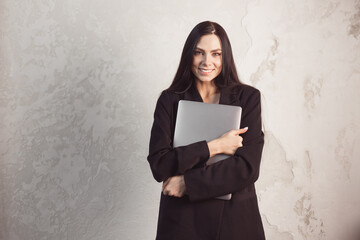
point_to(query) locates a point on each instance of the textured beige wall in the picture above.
(78, 85)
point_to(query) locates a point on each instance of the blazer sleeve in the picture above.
(238, 171)
(166, 161)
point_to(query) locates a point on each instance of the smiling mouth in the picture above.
(206, 70)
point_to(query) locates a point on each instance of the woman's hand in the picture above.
(228, 143)
(174, 186)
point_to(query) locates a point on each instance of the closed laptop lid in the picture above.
(198, 121)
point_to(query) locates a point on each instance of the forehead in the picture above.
(209, 42)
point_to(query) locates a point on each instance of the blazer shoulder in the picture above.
(245, 94)
(167, 100)
(249, 90)
(169, 96)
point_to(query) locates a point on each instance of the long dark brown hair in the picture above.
(184, 76)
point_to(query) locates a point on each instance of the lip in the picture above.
(206, 71)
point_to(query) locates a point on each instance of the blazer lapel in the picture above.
(193, 94)
(228, 95)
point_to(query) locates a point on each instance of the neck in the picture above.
(208, 91)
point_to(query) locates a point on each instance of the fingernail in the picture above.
(245, 128)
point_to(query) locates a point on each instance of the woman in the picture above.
(189, 208)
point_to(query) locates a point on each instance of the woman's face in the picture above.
(207, 60)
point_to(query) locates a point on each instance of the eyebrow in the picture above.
(215, 50)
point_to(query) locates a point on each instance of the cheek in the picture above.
(196, 61)
(194, 68)
(219, 64)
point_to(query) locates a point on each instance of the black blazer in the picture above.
(199, 215)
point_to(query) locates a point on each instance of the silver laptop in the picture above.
(197, 121)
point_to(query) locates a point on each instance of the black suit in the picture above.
(199, 215)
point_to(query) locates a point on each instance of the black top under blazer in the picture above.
(198, 215)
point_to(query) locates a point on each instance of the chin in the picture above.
(205, 79)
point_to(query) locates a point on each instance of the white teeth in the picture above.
(206, 71)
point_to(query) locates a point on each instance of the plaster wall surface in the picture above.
(78, 85)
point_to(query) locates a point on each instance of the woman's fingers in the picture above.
(166, 187)
(174, 186)
(241, 131)
(231, 141)
(165, 183)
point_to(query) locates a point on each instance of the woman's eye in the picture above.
(217, 54)
(197, 52)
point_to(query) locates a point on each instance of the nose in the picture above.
(206, 59)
